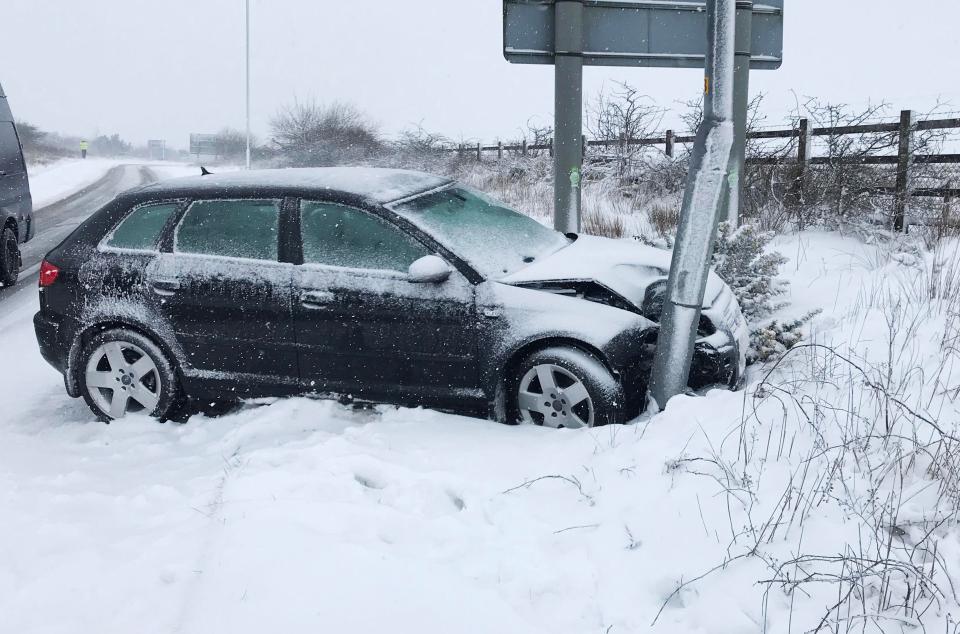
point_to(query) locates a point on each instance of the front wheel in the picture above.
(566, 387)
(9, 257)
(123, 372)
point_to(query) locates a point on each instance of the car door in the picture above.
(118, 272)
(362, 327)
(226, 295)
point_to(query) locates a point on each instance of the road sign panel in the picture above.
(203, 144)
(157, 149)
(660, 33)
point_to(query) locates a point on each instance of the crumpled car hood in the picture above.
(625, 267)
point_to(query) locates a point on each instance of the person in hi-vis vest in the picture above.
(83, 148)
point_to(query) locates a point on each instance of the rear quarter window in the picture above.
(141, 229)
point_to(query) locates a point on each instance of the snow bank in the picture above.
(55, 181)
(306, 516)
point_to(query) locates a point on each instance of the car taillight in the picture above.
(48, 274)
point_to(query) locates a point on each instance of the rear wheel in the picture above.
(9, 257)
(123, 372)
(566, 387)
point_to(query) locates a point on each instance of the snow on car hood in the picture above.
(625, 267)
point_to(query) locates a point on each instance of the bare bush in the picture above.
(312, 134)
(618, 117)
(230, 143)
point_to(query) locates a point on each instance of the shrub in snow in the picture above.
(775, 338)
(741, 258)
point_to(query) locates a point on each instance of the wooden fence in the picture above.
(804, 133)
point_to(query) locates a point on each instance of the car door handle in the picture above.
(316, 299)
(165, 287)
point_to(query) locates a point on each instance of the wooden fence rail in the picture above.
(804, 132)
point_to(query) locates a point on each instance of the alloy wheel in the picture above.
(553, 396)
(121, 378)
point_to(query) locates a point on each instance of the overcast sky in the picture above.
(163, 69)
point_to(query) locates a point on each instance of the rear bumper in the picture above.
(52, 339)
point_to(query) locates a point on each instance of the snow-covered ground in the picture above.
(55, 181)
(52, 182)
(307, 516)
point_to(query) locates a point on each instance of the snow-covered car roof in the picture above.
(375, 185)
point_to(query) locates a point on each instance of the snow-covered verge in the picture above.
(55, 181)
(52, 182)
(823, 483)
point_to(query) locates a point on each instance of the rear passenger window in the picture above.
(141, 229)
(347, 237)
(232, 228)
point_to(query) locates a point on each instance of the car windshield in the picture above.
(493, 238)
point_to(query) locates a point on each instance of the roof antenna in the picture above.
(204, 171)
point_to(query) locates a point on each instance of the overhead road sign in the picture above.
(653, 33)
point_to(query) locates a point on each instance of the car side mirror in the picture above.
(430, 269)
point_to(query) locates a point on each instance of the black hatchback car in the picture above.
(380, 285)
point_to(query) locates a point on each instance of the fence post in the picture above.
(551, 147)
(804, 150)
(583, 144)
(523, 147)
(947, 203)
(499, 150)
(669, 144)
(903, 171)
(479, 152)
(460, 151)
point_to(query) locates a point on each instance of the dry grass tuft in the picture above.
(606, 225)
(664, 218)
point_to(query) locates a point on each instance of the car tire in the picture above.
(123, 372)
(565, 387)
(9, 257)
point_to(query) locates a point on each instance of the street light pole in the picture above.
(248, 82)
(699, 217)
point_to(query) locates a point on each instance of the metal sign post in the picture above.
(568, 115)
(648, 33)
(730, 211)
(700, 215)
(247, 51)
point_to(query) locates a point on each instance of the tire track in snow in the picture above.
(216, 523)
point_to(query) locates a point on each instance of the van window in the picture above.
(11, 161)
(232, 228)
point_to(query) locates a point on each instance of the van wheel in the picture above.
(122, 372)
(566, 387)
(9, 257)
